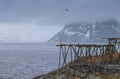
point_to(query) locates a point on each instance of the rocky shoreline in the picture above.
(87, 70)
(84, 72)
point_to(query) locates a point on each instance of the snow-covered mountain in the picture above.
(88, 31)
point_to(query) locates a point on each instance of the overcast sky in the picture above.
(39, 20)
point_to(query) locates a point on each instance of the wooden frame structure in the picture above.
(76, 51)
(88, 53)
(115, 42)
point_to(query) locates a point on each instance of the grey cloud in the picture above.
(50, 13)
(79, 9)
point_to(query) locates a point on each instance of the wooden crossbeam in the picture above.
(112, 38)
(85, 45)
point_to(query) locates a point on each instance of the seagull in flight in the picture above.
(65, 9)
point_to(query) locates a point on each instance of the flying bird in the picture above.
(65, 9)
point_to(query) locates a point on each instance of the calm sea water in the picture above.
(27, 60)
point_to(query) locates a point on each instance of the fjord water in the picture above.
(27, 60)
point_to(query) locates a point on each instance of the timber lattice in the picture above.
(90, 54)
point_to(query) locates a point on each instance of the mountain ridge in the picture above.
(78, 32)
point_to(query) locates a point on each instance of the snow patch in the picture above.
(87, 34)
(69, 32)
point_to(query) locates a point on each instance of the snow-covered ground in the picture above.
(27, 60)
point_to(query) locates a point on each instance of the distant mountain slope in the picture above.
(88, 31)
